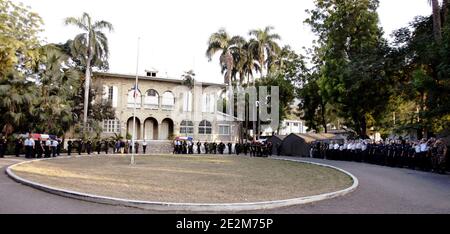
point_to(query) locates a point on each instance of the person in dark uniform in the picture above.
(221, 147)
(230, 148)
(136, 147)
(69, 147)
(215, 147)
(237, 148)
(105, 146)
(38, 148)
(191, 147)
(206, 145)
(18, 147)
(58, 148)
(199, 145)
(144, 146)
(98, 146)
(80, 146)
(89, 146)
(245, 148)
(3, 144)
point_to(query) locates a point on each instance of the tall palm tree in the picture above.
(223, 43)
(265, 46)
(437, 26)
(92, 48)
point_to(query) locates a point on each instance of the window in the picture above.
(187, 127)
(168, 101)
(151, 99)
(187, 101)
(111, 126)
(132, 96)
(207, 103)
(224, 130)
(205, 127)
(110, 93)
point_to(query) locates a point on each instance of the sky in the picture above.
(174, 33)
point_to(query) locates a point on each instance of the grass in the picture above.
(196, 179)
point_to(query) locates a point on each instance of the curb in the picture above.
(190, 207)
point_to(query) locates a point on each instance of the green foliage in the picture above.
(351, 62)
(19, 40)
(189, 79)
(286, 91)
(423, 74)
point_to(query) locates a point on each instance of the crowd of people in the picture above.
(254, 148)
(47, 148)
(426, 154)
(33, 148)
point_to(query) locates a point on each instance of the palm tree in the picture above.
(91, 47)
(265, 46)
(437, 26)
(222, 42)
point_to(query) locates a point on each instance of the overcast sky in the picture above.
(174, 33)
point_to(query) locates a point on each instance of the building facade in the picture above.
(165, 109)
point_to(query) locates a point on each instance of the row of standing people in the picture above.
(255, 148)
(33, 148)
(426, 154)
(39, 148)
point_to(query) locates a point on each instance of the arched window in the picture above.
(151, 100)
(168, 101)
(132, 95)
(205, 127)
(186, 127)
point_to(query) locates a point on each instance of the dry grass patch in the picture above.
(196, 179)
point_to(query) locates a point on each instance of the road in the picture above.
(381, 190)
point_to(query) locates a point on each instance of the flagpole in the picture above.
(133, 162)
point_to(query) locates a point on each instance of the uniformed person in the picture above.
(144, 146)
(54, 147)
(80, 146)
(441, 154)
(199, 145)
(136, 147)
(58, 148)
(98, 146)
(105, 146)
(88, 146)
(237, 148)
(38, 148)
(69, 147)
(206, 145)
(230, 148)
(3, 145)
(29, 145)
(18, 147)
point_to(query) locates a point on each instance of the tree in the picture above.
(221, 42)
(264, 46)
(19, 40)
(352, 59)
(91, 47)
(57, 85)
(189, 78)
(19, 50)
(437, 27)
(422, 76)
